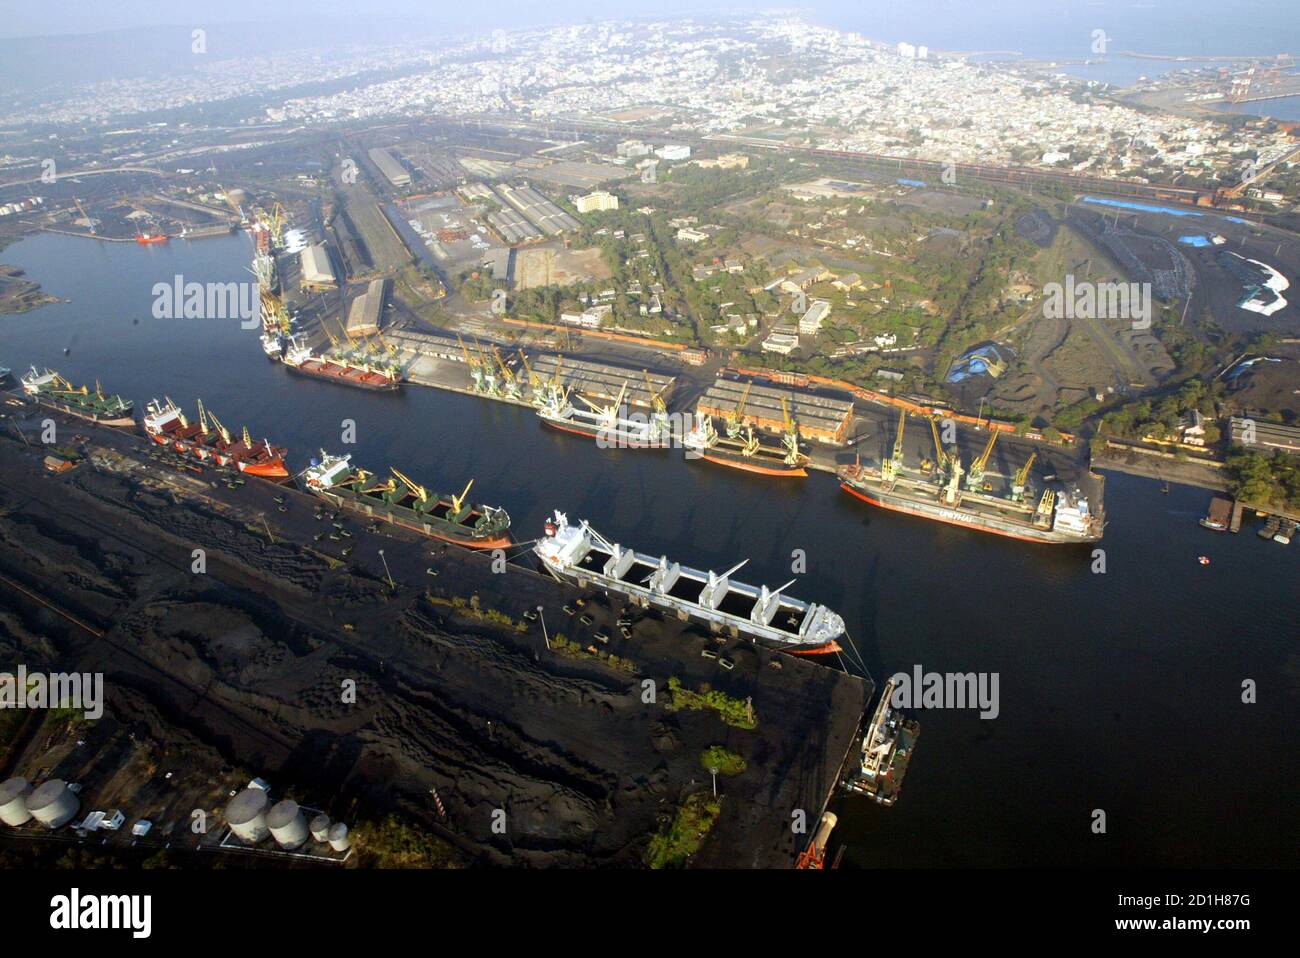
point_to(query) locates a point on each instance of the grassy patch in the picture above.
(568, 647)
(726, 762)
(694, 818)
(735, 712)
(392, 843)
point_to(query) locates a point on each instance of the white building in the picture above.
(673, 151)
(811, 321)
(593, 202)
(688, 235)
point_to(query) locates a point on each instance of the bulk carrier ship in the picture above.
(298, 358)
(168, 426)
(741, 449)
(580, 554)
(608, 425)
(50, 389)
(936, 492)
(399, 500)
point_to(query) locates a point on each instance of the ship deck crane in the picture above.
(421, 494)
(225, 433)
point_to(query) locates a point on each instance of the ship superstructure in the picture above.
(401, 501)
(578, 553)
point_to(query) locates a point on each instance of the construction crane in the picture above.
(736, 417)
(975, 477)
(889, 468)
(1022, 477)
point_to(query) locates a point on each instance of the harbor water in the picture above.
(1119, 690)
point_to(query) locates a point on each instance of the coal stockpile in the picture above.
(457, 687)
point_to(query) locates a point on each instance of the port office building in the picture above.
(821, 418)
(392, 170)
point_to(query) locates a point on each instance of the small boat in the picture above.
(1203, 560)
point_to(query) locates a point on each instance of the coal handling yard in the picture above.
(515, 738)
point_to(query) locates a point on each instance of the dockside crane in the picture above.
(1021, 478)
(975, 476)
(791, 438)
(512, 388)
(491, 384)
(889, 468)
(659, 408)
(736, 418)
(940, 454)
(475, 367)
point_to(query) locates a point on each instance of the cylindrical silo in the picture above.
(320, 828)
(288, 824)
(13, 802)
(339, 840)
(53, 804)
(246, 815)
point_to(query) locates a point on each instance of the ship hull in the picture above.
(965, 520)
(439, 529)
(359, 379)
(756, 466)
(765, 636)
(118, 421)
(617, 441)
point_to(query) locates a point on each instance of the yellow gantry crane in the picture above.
(511, 380)
(975, 477)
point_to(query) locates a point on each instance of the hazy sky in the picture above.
(1196, 26)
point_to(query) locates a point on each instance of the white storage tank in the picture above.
(13, 802)
(53, 804)
(246, 815)
(320, 828)
(288, 824)
(339, 840)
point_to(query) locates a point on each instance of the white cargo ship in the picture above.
(580, 554)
